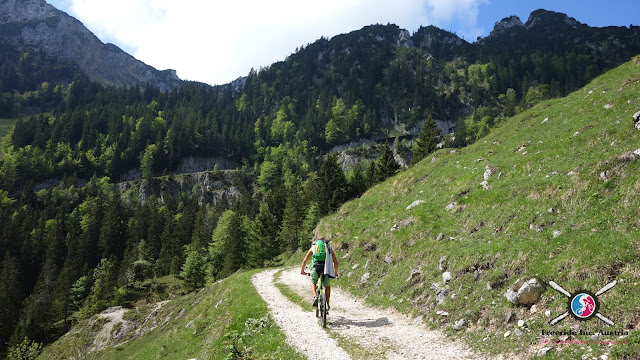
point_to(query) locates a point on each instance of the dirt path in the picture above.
(374, 333)
(295, 322)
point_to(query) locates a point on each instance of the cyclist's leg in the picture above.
(327, 285)
(314, 281)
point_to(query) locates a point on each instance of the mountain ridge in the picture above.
(35, 23)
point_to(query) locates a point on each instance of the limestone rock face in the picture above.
(404, 39)
(34, 23)
(506, 23)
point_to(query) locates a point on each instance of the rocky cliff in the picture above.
(34, 23)
(211, 187)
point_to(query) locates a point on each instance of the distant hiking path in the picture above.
(374, 333)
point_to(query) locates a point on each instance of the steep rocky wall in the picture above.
(211, 187)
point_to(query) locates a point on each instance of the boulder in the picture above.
(460, 324)
(636, 120)
(442, 264)
(403, 224)
(441, 296)
(446, 277)
(365, 278)
(414, 204)
(488, 171)
(525, 292)
(542, 352)
(413, 274)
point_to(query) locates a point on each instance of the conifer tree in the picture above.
(10, 297)
(460, 134)
(427, 140)
(310, 221)
(263, 245)
(293, 216)
(227, 249)
(333, 185)
(194, 270)
(387, 165)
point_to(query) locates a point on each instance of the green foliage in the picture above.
(460, 134)
(146, 161)
(227, 249)
(26, 350)
(79, 292)
(426, 141)
(264, 246)
(386, 164)
(103, 287)
(510, 102)
(194, 270)
(310, 221)
(293, 216)
(332, 185)
(10, 297)
(269, 175)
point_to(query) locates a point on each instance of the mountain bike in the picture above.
(322, 309)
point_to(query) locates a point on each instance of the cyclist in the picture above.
(318, 254)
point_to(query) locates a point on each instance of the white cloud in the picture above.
(216, 41)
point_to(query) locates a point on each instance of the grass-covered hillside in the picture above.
(225, 320)
(561, 202)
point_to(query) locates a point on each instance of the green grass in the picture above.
(506, 233)
(6, 125)
(199, 325)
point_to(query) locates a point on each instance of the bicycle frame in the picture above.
(321, 310)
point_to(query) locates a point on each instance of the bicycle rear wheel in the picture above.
(323, 310)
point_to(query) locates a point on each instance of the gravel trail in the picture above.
(296, 323)
(375, 333)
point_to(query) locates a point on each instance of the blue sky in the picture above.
(217, 41)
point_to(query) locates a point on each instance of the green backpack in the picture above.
(319, 251)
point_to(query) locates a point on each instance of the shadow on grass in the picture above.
(340, 322)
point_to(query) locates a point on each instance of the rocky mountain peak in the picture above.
(431, 35)
(546, 17)
(506, 23)
(404, 39)
(25, 10)
(37, 24)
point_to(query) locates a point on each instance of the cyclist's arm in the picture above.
(304, 262)
(335, 262)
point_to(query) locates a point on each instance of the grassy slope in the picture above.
(205, 337)
(489, 230)
(6, 125)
